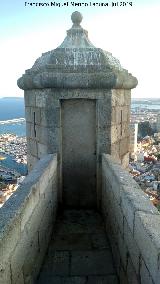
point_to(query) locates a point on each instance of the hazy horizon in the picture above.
(135, 98)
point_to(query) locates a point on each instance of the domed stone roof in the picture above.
(77, 63)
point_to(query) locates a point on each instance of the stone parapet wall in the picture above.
(133, 225)
(26, 223)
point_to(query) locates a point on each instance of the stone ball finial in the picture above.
(76, 17)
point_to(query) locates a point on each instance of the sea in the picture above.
(11, 109)
(19, 129)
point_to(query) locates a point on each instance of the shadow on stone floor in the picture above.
(79, 252)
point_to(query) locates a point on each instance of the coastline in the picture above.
(10, 163)
(10, 126)
(13, 153)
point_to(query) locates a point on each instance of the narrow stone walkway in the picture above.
(79, 251)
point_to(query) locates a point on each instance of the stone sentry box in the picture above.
(77, 103)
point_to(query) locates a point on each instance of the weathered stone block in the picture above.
(42, 134)
(42, 150)
(50, 117)
(111, 177)
(133, 200)
(19, 255)
(28, 266)
(124, 146)
(120, 114)
(131, 244)
(114, 116)
(5, 272)
(54, 101)
(131, 274)
(31, 161)
(103, 112)
(10, 232)
(146, 234)
(46, 222)
(114, 211)
(30, 98)
(20, 279)
(30, 132)
(37, 265)
(33, 223)
(123, 250)
(125, 160)
(44, 184)
(49, 137)
(145, 275)
(116, 254)
(118, 97)
(123, 276)
(28, 116)
(104, 141)
(41, 99)
(53, 179)
(127, 97)
(33, 200)
(32, 147)
(28, 129)
(125, 114)
(115, 133)
(115, 151)
(125, 130)
(36, 115)
(114, 225)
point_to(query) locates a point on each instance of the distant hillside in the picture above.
(11, 107)
(150, 101)
(10, 98)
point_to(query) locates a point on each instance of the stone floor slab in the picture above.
(95, 262)
(110, 279)
(79, 221)
(79, 252)
(56, 263)
(100, 241)
(61, 280)
(73, 241)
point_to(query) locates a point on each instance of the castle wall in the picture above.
(132, 224)
(26, 223)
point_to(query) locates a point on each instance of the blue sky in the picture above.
(130, 33)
